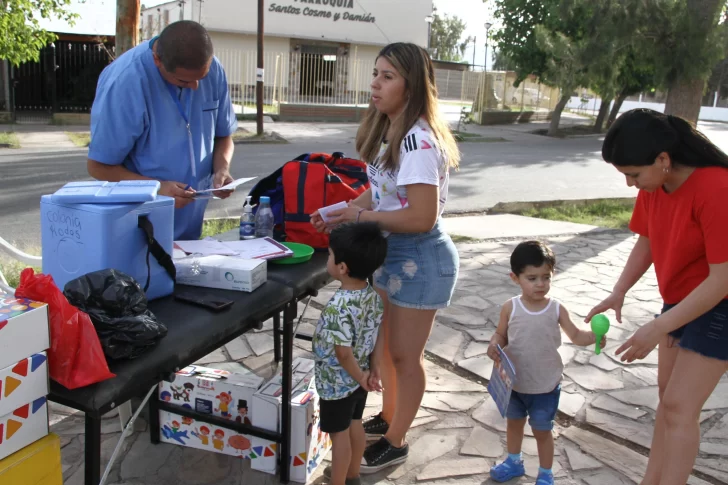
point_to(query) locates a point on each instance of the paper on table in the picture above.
(324, 211)
(258, 248)
(206, 247)
(230, 186)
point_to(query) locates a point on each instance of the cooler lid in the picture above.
(160, 201)
(98, 192)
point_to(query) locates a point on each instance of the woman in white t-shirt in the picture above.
(409, 149)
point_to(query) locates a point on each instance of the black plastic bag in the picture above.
(117, 306)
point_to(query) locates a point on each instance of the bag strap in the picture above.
(156, 250)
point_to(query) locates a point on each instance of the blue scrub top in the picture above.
(135, 122)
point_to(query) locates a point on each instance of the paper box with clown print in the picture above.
(209, 391)
(23, 426)
(213, 391)
(309, 444)
(23, 382)
(23, 329)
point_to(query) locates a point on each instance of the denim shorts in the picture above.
(420, 269)
(707, 335)
(540, 408)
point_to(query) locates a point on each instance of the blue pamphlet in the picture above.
(501, 381)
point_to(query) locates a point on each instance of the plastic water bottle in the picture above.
(247, 220)
(264, 219)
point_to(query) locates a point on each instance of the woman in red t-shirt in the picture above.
(681, 217)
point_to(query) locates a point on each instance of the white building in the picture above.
(313, 48)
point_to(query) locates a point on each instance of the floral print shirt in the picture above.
(351, 319)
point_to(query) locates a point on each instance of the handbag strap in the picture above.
(156, 250)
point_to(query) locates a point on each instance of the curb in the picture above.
(275, 139)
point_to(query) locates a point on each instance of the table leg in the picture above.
(93, 451)
(277, 337)
(289, 316)
(154, 429)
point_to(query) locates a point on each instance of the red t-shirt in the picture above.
(687, 229)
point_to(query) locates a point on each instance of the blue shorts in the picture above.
(540, 408)
(707, 335)
(420, 269)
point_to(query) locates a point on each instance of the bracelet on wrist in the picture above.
(358, 214)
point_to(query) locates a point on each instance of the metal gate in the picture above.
(62, 81)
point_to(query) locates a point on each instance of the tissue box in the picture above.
(23, 382)
(223, 272)
(309, 445)
(210, 391)
(25, 425)
(37, 464)
(23, 330)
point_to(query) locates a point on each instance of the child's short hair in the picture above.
(531, 253)
(361, 245)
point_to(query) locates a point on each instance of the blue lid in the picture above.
(264, 199)
(98, 192)
(118, 208)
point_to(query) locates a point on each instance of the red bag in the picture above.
(75, 358)
(319, 181)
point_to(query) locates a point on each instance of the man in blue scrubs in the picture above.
(163, 111)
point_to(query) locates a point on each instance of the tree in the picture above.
(445, 38)
(21, 37)
(636, 75)
(686, 49)
(501, 61)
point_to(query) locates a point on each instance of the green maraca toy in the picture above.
(600, 327)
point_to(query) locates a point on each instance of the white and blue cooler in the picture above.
(81, 238)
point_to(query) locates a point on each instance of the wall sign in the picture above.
(329, 9)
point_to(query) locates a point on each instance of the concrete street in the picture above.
(526, 167)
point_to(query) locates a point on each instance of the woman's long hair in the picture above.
(638, 136)
(415, 66)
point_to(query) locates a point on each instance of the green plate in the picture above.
(301, 254)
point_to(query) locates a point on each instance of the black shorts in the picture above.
(707, 335)
(337, 414)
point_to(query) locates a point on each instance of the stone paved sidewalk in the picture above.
(607, 408)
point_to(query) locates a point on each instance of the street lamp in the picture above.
(488, 25)
(429, 20)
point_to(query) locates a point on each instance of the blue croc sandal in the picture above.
(508, 470)
(545, 479)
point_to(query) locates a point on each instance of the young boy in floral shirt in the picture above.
(344, 340)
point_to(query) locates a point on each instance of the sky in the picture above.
(98, 17)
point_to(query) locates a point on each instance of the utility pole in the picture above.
(259, 72)
(475, 43)
(127, 25)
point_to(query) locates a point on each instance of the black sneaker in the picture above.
(376, 426)
(381, 455)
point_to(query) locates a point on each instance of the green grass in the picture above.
(80, 139)
(213, 227)
(463, 136)
(9, 138)
(603, 213)
(456, 238)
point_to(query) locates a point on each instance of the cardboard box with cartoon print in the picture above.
(209, 391)
(309, 444)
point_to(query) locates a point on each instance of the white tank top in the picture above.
(533, 342)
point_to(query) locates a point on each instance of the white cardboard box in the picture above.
(309, 445)
(209, 391)
(223, 272)
(23, 329)
(23, 426)
(23, 382)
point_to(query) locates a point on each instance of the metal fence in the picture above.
(62, 81)
(334, 79)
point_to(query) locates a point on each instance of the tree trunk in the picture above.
(686, 92)
(684, 98)
(127, 25)
(602, 116)
(556, 116)
(615, 109)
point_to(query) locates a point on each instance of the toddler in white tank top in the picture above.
(529, 331)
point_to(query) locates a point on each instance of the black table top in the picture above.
(193, 332)
(304, 278)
